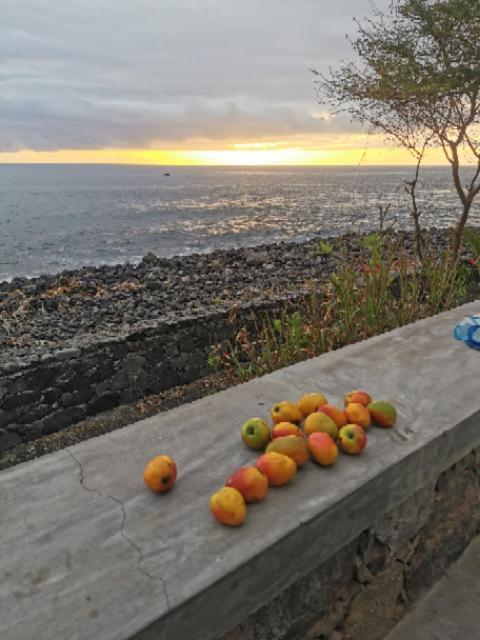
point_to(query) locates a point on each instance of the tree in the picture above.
(417, 82)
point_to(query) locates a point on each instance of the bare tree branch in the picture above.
(417, 81)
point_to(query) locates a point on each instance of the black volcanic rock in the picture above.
(50, 313)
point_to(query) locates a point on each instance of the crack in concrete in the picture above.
(129, 541)
(82, 478)
(140, 556)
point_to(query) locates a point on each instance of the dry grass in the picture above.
(128, 286)
(17, 305)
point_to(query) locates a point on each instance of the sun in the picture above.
(252, 157)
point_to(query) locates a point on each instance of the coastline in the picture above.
(83, 344)
(49, 313)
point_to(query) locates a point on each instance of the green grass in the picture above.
(385, 288)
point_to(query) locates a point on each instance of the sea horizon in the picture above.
(233, 166)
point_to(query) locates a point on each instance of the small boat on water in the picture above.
(166, 174)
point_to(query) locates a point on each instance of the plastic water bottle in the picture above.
(468, 329)
(473, 337)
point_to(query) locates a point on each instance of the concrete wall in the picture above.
(364, 589)
(47, 394)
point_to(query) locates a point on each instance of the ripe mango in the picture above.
(352, 439)
(322, 448)
(160, 474)
(291, 446)
(336, 414)
(383, 413)
(359, 396)
(283, 429)
(251, 483)
(358, 414)
(228, 506)
(310, 402)
(286, 412)
(278, 468)
(320, 422)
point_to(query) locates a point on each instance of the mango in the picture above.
(358, 414)
(310, 403)
(252, 484)
(352, 439)
(160, 474)
(255, 433)
(278, 468)
(359, 396)
(383, 413)
(291, 446)
(228, 506)
(283, 429)
(336, 414)
(320, 422)
(322, 448)
(286, 412)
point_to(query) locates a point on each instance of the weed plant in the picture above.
(383, 289)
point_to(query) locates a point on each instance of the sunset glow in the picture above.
(255, 154)
(136, 94)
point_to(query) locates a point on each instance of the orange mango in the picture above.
(228, 506)
(160, 474)
(310, 403)
(358, 396)
(278, 468)
(283, 429)
(291, 446)
(336, 414)
(286, 412)
(358, 414)
(322, 448)
(252, 484)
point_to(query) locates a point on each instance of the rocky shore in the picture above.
(76, 345)
(52, 313)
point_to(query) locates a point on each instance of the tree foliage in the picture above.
(417, 80)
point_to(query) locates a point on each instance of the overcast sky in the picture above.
(88, 74)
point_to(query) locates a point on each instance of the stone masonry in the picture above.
(363, 590)
(51, 392)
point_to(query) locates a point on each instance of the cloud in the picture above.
(139, 73)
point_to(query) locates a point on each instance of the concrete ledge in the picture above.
(88, 553)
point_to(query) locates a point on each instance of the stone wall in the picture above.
(46, 394)
(362, 591)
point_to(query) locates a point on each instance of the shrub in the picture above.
(382, 290)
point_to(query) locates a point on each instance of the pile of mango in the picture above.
(310, 429)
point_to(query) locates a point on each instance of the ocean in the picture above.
(56, 217)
